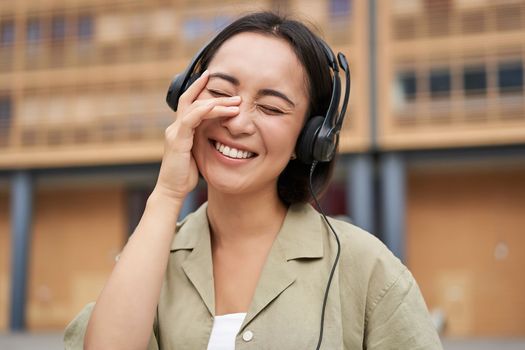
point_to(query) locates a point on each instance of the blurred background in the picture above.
(432, 155)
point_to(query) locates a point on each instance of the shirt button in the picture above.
(247, 336)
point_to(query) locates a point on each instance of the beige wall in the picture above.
(466, 247)
(77, 233)
(5, 260)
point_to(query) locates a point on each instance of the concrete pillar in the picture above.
(21, 222)
(393, 198)
(360, 191)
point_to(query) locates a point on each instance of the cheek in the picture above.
(199, 139)
(281, 139)
(203, 94)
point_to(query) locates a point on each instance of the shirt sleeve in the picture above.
(400, 319)
(76, 329)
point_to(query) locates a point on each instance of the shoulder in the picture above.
(363, 248)
(366, 261)
(395, 311)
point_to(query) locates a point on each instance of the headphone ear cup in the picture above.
(307, 139)
(174, 91)
(177, 88)
(191, 80)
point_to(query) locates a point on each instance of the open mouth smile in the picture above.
(232, 152)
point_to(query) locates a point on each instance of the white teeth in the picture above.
(232, 152)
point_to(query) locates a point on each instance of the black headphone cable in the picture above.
(314, 164)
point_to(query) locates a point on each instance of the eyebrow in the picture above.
(226, 77)
(263, 92)
(271, 92)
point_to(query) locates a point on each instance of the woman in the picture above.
(249, 269)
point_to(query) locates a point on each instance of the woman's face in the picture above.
(257, 143)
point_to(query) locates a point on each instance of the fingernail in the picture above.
(234, 98)
(205, 73)
(233, 108)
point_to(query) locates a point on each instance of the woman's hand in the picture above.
(178, 172)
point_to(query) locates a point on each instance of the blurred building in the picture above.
(432, 152)
(451, 108)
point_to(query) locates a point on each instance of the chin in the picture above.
(226, 184)
(227, 188)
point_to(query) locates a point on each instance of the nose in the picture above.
(242, 123)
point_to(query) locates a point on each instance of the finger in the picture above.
(217, 101)
(210, 111)
(194, 89)
(221, 112)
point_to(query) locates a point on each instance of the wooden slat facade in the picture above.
(419, 39)
(86, 80)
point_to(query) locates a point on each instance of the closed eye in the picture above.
(216, 93)
(270, 110)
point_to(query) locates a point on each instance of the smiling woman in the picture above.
(251, 266)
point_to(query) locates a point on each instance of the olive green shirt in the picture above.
(373, 302)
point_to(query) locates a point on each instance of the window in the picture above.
(408, 83)
(5, 114)
(440, 83)
(7, 33)
(195, 28)
(508, 16)
(85, 27)
(407, 7)
(58, 28)
(405, 28)
(474, 21)
(340, 8)
(469, 4)
(510, 77)
(475, 80)
(33, 31)
(438, 4)
(438, 15)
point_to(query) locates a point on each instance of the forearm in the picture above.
(124, 313)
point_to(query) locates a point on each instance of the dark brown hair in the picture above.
(293, 182)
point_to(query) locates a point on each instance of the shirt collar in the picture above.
(301, 235)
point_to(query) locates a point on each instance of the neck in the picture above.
(238, 219)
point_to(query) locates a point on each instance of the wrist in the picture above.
(165, 198)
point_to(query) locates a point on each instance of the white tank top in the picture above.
(225, 328)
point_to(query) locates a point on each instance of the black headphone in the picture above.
(320, 135)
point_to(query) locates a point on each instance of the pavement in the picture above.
(31, 341)
(53, 341)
